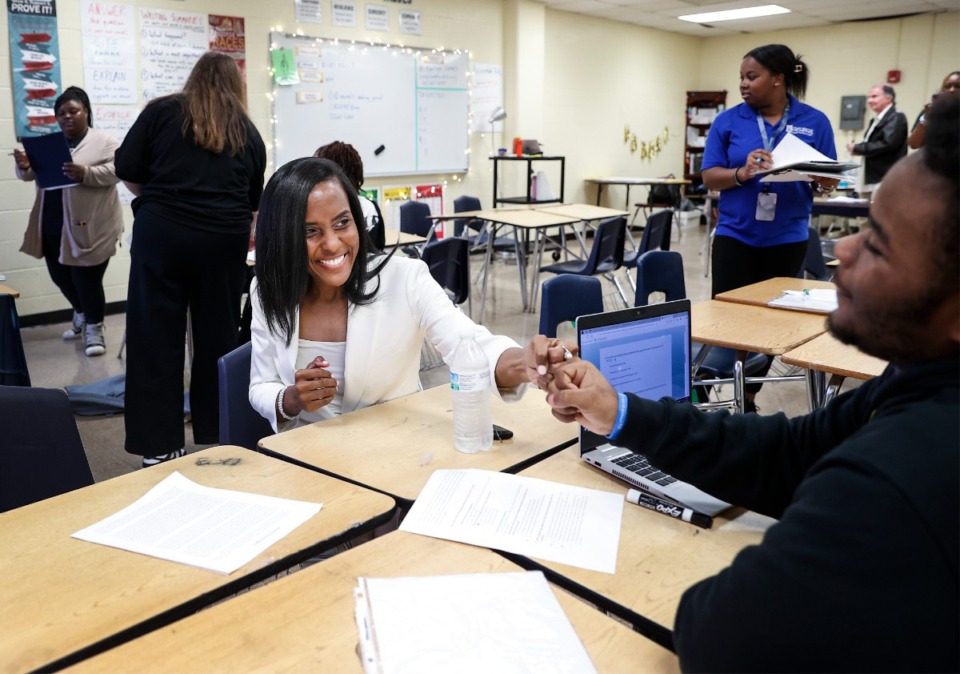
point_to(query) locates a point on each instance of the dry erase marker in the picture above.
(669, 508)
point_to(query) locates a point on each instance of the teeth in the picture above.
(334, 262)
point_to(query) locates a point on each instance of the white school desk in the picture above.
(826, 355)
(65, 599)
(304, 622)
(659, 556)
(395, 446)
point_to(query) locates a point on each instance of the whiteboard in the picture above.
(412, 102)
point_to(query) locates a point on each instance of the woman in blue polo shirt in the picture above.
(762, 227)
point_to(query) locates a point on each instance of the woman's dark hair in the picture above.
(282, 272)
(214, 111)
(346, 157)
(75, 94)
(779, 59)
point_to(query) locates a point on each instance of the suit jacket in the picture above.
(886, 144)
(92, 215)
(384, 338)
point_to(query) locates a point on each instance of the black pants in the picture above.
(82, 286)
(736, 264)
(174, 268)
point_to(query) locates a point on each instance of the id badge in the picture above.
(766, 206)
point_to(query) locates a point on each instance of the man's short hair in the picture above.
(889, 92)
(941, 155)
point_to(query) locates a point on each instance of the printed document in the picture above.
(794, 160)
(483, 622)
(524, 515)
(215, 529)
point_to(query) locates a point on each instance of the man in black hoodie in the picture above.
(861, 571)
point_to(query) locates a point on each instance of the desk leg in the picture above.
(832, 389)
(707, 250)
(599, 192)
(520, 252)
(491, 234)
(535, 272)
(814, 389)
(739, 388)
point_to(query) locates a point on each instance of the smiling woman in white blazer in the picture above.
(337, 328)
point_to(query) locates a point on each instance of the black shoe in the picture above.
(154, 460)
(750, 407)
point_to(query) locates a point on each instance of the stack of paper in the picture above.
(484, 622)
(794, 160)
(819, 300)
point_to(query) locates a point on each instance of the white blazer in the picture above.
(384, 338)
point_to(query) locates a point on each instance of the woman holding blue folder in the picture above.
(75, 229)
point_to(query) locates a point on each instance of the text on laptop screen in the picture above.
(648, 357)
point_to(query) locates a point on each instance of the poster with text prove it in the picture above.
(35, 65)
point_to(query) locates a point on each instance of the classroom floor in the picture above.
(56, 363)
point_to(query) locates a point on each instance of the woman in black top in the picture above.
(196, 163)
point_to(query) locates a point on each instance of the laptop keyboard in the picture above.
(638, 464)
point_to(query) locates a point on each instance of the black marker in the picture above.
(669, 508)
(379, 150)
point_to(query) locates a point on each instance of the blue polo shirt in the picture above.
(733, 135)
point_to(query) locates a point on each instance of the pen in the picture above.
(669, 508)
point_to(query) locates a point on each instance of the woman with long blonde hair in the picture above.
(195, 161)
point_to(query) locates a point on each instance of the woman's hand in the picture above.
(758, 160)
(542, 354)
(74, 171)
(21, 158)
(825, 185)
(313, 388)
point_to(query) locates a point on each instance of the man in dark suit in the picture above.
(886, 138)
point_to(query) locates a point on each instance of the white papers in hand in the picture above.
(794, 160)
(472, 623)
(819, 300)
(537, 518)
(215, 529)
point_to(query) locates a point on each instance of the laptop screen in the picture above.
(641, 350)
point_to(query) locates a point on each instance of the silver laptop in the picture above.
(644, 351)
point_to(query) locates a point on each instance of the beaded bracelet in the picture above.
(736, 178)
(280, 409)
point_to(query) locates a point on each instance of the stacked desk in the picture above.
(658, 559)
(305, 621)
(820, 356)
(65, 599)
(629, 182)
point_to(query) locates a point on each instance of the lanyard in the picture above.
(768, 142)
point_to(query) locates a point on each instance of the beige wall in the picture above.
(571, 81)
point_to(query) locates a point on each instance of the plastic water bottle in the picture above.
(470, 389)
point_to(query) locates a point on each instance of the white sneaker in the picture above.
(93, 336)
(154, 460)
(75, 330)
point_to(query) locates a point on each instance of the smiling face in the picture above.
(758, 86)
(72, 118)
(332, 236)
(877, 99)
(951, 85)
(893, 299)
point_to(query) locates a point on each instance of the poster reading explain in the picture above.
(35, 65)
(170, 44)
(117, 120)
(228, 36)
(109, 52)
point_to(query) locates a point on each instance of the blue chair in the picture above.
(449, 263)
(814, 264)
(41, 454)
(566, 297)
(606, 255)
(662, 271)
(473, 229)
(656, 236)
(414, 219)
(240, 424)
